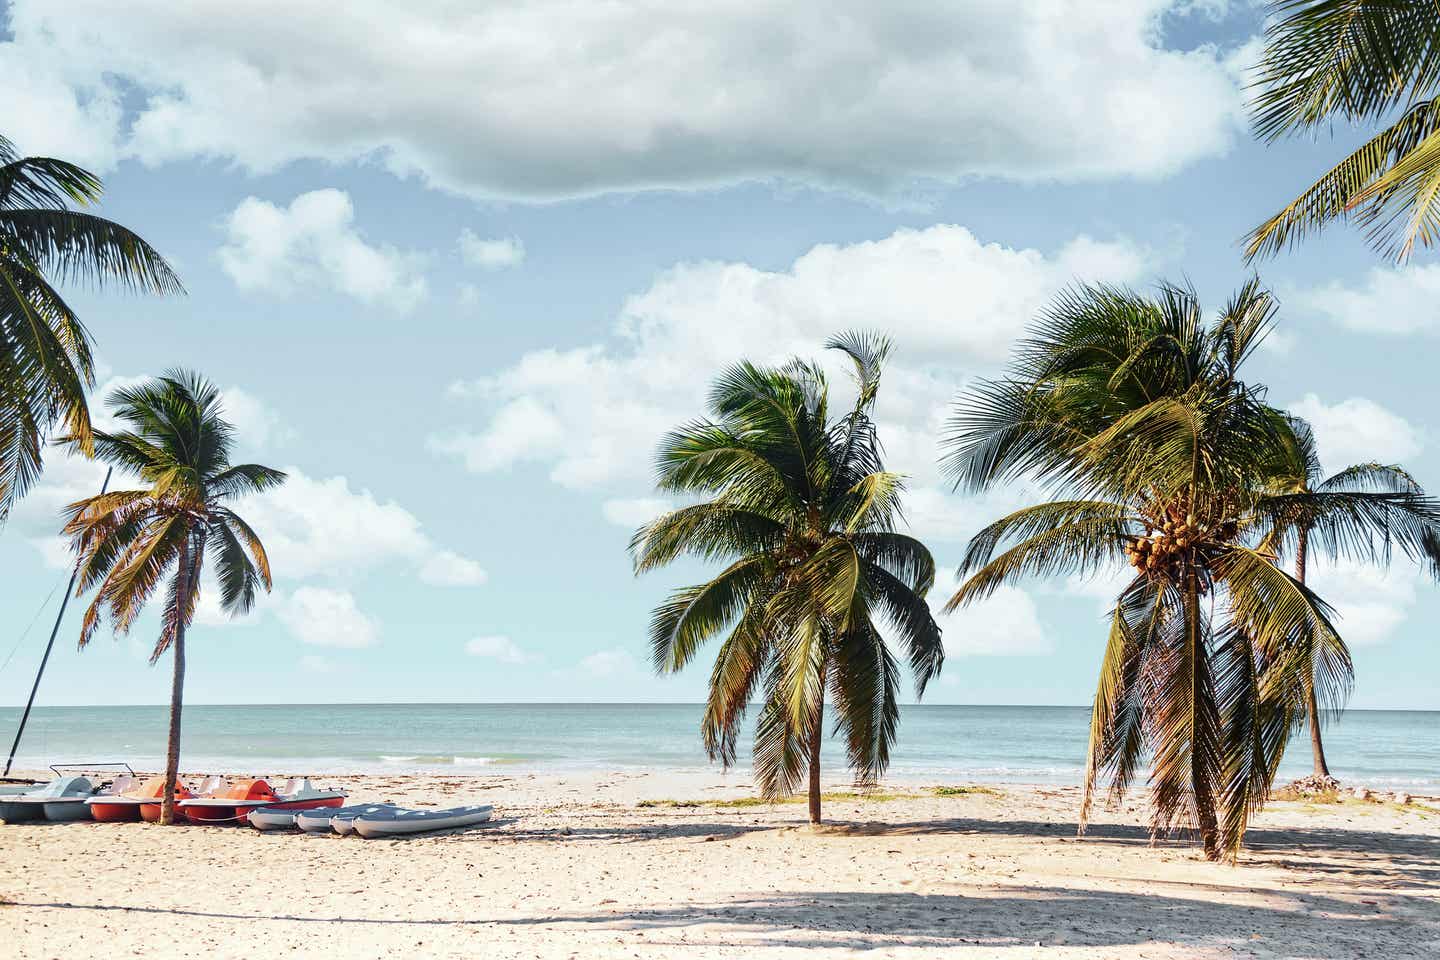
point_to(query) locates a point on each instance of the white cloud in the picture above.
(1004, 624)
(953, 304)
(445, 568)
(610, 663)
(58, 108)
(1370, 602)
(498, 648)
(1358, 430)
(548, 98)
(256, 423)
(314, 243)
(327, 618)
(634, 512)
(494, 254)
(1389, 300)
(323, 528)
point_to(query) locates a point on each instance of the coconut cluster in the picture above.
(1172, 531)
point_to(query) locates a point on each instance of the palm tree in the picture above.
(1356, 62)
(804, 513)
(128, 541)
(1305, 505)
(45, 360)
(1131, 410)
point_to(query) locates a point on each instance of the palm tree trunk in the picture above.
(1312, 709)
(816, 734)
(183, 572)
(1200, 782)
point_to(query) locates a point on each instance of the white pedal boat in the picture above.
(61, 800)
(400, 822)
(339, 820)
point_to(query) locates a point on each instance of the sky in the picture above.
(457, 271)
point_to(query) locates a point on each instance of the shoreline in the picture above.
(659, 867)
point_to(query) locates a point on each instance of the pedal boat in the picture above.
(61, 800)
(295, 797)
(127, 803)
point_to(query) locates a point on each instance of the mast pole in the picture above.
(24, 717)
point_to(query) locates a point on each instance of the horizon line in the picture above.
(598, 703)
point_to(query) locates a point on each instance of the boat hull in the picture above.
(270, 819)
(67, 811)
(115, 812)
(13, 811)
(337, 819)
(406, 822)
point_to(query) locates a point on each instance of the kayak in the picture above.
(400, 822)
(269, 818)
(340, 820)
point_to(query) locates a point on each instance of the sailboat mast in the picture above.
(54, 631)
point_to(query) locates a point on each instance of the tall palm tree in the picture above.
(1356, 62)
(128, 541)
(1132, 412)
(1301, 517)
(804, 513)
(45, 359)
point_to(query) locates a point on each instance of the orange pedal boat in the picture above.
(228, 805)
(131, 804)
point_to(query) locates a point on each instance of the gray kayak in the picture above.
(262, 819)
(337, 819)
(399, 822)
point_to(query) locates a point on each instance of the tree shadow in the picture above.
(1045, 915)
(996, 916)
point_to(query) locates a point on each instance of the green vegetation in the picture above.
(967, 792)
(1330, 63)
(46, 364)
(1131, 411)
(804, 513)
(128, 541)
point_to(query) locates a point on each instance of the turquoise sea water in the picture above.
(1384, 749)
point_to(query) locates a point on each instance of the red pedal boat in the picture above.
(130, 803)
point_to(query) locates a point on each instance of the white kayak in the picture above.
(398, 822)
(262, 818)
(337, 819)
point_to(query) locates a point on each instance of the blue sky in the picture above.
(458, 274)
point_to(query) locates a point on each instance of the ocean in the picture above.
(1386, 749)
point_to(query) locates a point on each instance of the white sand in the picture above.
(574, 867)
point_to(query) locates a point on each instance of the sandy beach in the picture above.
(660, 865)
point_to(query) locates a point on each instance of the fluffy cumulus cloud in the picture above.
(1389, 300)
(1370, 602)
(549, 98)
(592, 415)
(1004, 624)
(314, 242)
(1358, 430)
(324, 528)
(494, 254)
(326, 617)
